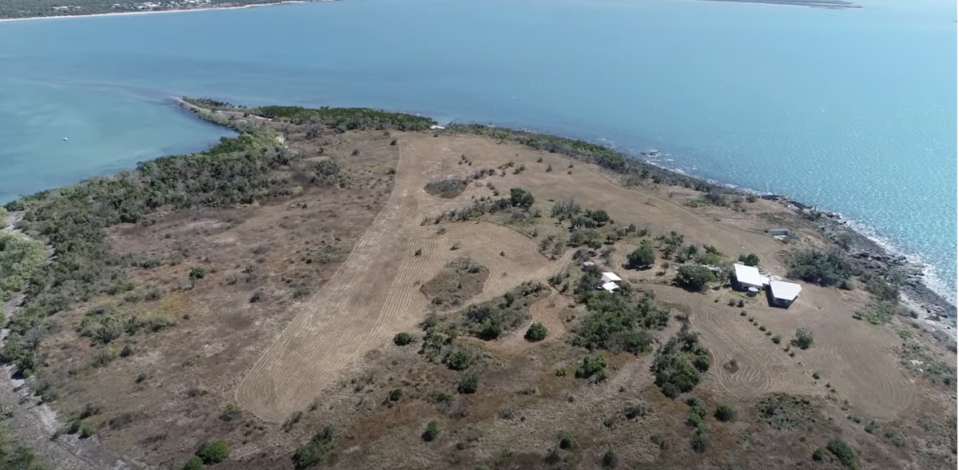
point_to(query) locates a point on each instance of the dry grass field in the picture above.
(267, 349)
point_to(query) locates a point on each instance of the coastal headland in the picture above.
(50, 9)
(335, 287)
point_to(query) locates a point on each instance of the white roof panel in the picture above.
(610, 286)
(749, 275)
(785, 290)
(611, 277)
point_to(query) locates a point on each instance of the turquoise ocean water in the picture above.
(853, 111)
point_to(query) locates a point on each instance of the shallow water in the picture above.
(853, 111)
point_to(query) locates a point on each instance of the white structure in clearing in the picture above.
(783, 294)
(748, 276)
(610, 277)
(608, 282)
(609, 286)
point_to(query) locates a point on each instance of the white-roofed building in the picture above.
(611, 277)
(783, 294)
(609, 286)
(748, 276)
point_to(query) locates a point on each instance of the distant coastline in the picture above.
(77, 13)
(150, 12)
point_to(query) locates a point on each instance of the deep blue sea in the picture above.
(850, 110)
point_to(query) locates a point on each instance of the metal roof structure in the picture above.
(783, 290)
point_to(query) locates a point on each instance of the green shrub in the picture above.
(777, 339)
(195, 463)
(726, 413)
(804, 339)
(749, 260)
(679, 362)
(468, 384)
(819, 454)
(197, 273)
(214, 452)
(536, 332)
(396, 394)
(694, 278)
(816, 375)
(871, 427)
(642, 257)
(609, 459)
(567, 440)
(459, 359)
(842, 451)
(315, 451)
(403, 339)
(825, 269)
(617, 322)
(432, 431)
(592, 366)
(521, 198)
(86, 432)
(700, 442)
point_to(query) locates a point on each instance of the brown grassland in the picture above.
(291, 330)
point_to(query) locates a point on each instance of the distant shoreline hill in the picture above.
(39, 9)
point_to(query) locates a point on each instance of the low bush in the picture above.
(694, 278)
(726, 413)
(316, 451)
(680, 362)
(536, 332)
(214, 452)
(566, 441)
(803, 339)
(432, 431)
(825, 269)
(403, 339)
(593, 367)
(842, 452)
(195, 463)
(468, 384)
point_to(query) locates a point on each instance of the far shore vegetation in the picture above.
(15, 9)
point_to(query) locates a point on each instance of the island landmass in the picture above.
(335, 287)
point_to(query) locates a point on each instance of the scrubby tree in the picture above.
(519, 197)
(842, 451)
(804, 339)
(402, 339)
(536, 332)
(214, 452)
(642, 257)
(725, 413)
(468, 384)
(694, 278)
(749, 260)
(195, 463)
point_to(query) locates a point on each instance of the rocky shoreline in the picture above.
(870, 257)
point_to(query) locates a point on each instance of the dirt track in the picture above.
(375, 293)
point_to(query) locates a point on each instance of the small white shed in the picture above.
(609, 286)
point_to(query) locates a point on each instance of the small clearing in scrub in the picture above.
(458, 282)
(448, 188)
(787, 412)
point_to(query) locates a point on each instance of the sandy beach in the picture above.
(152, 12)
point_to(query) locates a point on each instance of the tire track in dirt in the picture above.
(375, 293)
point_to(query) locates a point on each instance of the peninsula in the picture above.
(355, 288)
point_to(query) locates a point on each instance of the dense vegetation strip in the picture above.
(252, 167)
